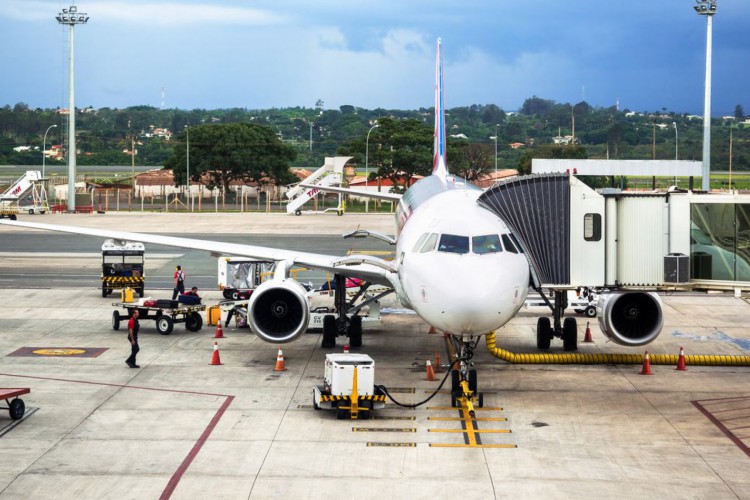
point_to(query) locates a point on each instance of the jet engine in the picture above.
(279, 311)
(630, 318)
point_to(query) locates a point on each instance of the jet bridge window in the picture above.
(486, 244)
(453, 243)
(429, 245)
(592, 227)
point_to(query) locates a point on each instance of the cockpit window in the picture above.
(429, 245)
(515, 241)
(420, 242)
(508, 244)
(486, 244)
(452, 243)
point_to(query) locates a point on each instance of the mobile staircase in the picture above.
(330, 174)
(12, 198)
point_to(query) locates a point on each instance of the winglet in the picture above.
(439, 166)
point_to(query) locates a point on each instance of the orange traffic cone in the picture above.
(430, 372)
(681, 361)
(219, 334)
(432, 330)
(215, 360)
(280, 362)
(587, 336)
(438, 368)
(646, 370)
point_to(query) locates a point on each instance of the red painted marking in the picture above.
(177, 476)
(737, 441)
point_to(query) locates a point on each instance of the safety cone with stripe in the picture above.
(219, 334)
(280, 362)
(681, 361)
(430, 372)
(646, 370)
(587, 337)
(215, 360)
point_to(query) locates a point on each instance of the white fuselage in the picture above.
(470, 279)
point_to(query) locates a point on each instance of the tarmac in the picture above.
(179, 427)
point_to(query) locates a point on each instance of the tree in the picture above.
(235, 151)
(739, 112)
(398, 150)
(470, 161)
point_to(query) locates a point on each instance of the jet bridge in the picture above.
(575, 236)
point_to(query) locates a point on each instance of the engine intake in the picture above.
(279, 311)
(630, 318)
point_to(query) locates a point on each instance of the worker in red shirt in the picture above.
(133, 327)
(179, 282)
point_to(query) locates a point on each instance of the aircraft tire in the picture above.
(570, 334)
(329, 331)
(455, 381)
(543, 333)
(473, 381)
(355, 332)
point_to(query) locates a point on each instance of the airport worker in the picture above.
(179, 282)
(133, 327)
(193, 291)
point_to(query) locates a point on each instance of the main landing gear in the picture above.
(464, 386)
(566, 330)
(346, 321)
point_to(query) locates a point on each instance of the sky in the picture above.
(643, 54)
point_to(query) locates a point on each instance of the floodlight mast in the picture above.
(707, 8)
(71, 17)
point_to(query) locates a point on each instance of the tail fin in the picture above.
(439, 166)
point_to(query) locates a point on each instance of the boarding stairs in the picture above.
(12, 197)
(330, 174)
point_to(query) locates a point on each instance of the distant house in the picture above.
(516, 145)
(459, 136)
(564, 139)
(22, 149)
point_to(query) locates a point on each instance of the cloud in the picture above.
(148, 13)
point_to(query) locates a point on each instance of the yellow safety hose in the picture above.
(580, 358)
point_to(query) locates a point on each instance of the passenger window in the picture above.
(486, 244)
(429, 245)
(592, 227)
(452, 243)
(420, 242)
(508, 244)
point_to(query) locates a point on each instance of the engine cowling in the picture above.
(279, 311)
(630, 318)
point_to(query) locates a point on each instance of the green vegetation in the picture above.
(105, 135)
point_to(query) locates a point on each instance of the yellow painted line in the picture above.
(446, 408)
(458, 419)
(393, 445)
(437, 445)
(382, 429)
(473, 431)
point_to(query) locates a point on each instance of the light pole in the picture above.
(496, 125)
(187, 157)
(71, 17)
(311, 124)
(44, 148)
(367, 167)
(676, 142)
(707, 8)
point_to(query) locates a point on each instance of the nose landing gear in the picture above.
(464, 384)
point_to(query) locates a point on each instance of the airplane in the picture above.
(458, 266)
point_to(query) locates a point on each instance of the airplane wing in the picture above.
(356, 192)
(367, 267)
